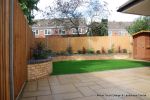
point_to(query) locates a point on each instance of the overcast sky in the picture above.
(113, 5)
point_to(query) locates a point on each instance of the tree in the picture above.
(27, 7)
(142, 23)
(104, 27)
(97, 11)
(95, 29)
(76, 10)
(66, 10)
(99, 28)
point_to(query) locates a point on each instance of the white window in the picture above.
(36, 32)
(62, 31)
(74, 31)
(47, 32)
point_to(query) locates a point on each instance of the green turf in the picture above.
(70, 67)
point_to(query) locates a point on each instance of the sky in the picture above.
(113, 5)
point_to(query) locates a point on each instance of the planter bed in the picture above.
(39, 68)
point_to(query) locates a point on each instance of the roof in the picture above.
(56, 22)
(139, 7)
(118, 25)
(140, 32)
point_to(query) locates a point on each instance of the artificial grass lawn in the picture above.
(71, 67)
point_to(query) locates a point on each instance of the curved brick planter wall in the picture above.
(39, 70)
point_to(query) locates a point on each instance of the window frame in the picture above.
(36, 32)
(48, 30)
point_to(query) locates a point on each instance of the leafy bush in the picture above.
(39, 52)
(110, 51)
(40, 46)
(79, 51)
(140, 24)
(69, 50)
(90, 51)
(53, 53)
(103, 50)
(124, 50)
(119, 49)
(62, 53)
(83, 50)
(98, 52)
(49, 52)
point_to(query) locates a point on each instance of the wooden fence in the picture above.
(58, 44)
(23, 40)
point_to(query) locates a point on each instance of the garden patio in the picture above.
(125, 84)
(17, 44)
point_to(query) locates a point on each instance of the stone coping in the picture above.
(33, 61)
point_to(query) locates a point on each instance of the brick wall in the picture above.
(39, 70)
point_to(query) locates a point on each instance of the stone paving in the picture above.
(125, 84)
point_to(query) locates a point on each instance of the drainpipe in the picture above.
(11, 51)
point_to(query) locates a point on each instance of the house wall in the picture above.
(141, 42)
(54, 31)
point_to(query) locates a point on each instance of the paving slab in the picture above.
(125, 84)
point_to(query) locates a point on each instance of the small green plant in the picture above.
(84, 50)
(119, 49)
(113, 48)
(98, 52)
(124, 50)
(53, 53)
(90, 51)
(40, 46)
(40, 52)
(62, 53)
(69, 50)
(79, 51)
(103, 50)
(110, 51)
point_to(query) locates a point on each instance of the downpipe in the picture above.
(11, 50)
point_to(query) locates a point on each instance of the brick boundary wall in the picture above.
(36, 71)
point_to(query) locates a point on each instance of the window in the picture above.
(62, 32)
(36, 32)
(75, 30)
(48, 32)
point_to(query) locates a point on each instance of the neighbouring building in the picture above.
(53, 27)
(118, 28)
(141, 45)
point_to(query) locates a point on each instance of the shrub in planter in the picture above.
(90, 51)
(79, 51)
(103, 50)
(62, 53)
(110, 51)
(83, 50)
(98, 52)
(49, 52)
(69, 50)
(39, 52)
(119, 49)
(53, 53)
(124, 50)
